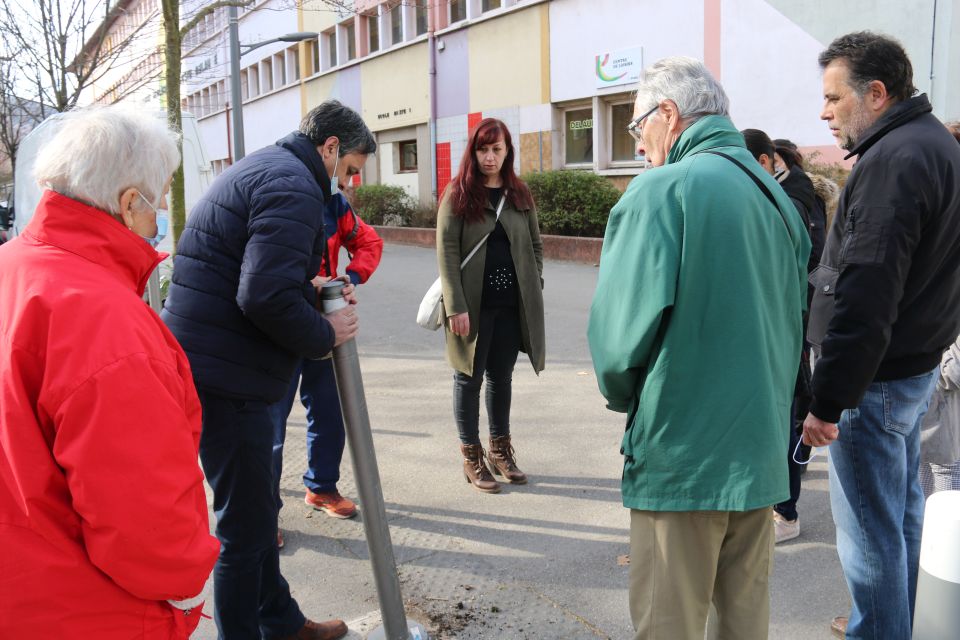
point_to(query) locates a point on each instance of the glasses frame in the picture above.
(635, 129)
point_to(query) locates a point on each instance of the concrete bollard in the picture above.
(356, 421)
(937, 612)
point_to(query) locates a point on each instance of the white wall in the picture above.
(581, 29)
(770, 73)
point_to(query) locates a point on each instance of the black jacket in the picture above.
(798, 186)
(887, 301)
(241, 303)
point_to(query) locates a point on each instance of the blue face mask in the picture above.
(334, 183)
(163, 224)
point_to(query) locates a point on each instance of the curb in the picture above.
(586, 250)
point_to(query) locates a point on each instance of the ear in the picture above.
(330, 144)
(127, 198)
(671, 115)
(876, 95)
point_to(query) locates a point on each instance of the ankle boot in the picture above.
(475, 469)
(501, 460)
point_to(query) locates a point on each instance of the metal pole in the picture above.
(432, 43)
(153, 290)
(346, 367)
(238, 151)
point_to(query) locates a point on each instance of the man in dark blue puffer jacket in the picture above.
(242, 305)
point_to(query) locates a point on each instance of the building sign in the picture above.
(618, 67)
(396, 113)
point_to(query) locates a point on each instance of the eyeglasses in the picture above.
(635, 129)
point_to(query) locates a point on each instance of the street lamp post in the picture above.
(235, 53)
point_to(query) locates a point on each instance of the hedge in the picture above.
(572, 203)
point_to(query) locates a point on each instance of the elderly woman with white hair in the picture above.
(103, 517)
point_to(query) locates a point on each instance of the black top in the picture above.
(499, 275)
(887, 300)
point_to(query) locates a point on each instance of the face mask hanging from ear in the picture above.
(334, 183)
(163, 224)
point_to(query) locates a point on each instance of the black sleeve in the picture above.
(882, 230)
(286, 219)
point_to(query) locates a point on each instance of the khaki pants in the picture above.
(680, 562)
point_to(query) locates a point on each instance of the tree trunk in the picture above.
(171, 29)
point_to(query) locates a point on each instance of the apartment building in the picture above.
(560, 73)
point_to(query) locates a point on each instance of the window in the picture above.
(408, 156)
(458, 10)
(253, 76)
(314, 53)
(421, 14)
(331, 37)
(373, 33)
(623, 148)
(293, 63)
(350, 33)
(396, 24)
(488, 5)
(266, 75)
(279, 70)
(578, 134)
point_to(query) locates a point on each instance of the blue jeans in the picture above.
(325, 433)
(251, 598)
(878, 504)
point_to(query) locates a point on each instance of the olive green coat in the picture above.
(462, 291)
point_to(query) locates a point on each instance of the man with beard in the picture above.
(886, 305)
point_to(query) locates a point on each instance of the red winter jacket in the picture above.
(344, 227)
(103, 516)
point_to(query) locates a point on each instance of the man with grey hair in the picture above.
(695, 332)
(886, 306)
(244, 308)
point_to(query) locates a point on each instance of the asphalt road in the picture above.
(538, 561)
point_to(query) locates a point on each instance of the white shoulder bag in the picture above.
(430, 315)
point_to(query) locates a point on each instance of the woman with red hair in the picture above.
(494, 303)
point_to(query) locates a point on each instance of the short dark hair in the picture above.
(873, 56)
(758, 143)
(332, 118)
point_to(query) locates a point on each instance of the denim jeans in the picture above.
(325, 432)
(877, 505)
(251, 598)
(498, 344)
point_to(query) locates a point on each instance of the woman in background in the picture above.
(493, 305)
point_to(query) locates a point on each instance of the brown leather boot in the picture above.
(475, 469)
(501, 460)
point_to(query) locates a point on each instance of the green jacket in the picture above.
(462, 291)
(695, 327)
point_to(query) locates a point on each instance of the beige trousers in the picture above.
(682, 561)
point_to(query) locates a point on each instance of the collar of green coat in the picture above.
(708, 132)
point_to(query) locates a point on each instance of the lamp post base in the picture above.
(415, 629)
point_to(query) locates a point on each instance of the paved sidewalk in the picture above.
(538, 561)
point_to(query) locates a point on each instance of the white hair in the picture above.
(688, 83)
(99, 152)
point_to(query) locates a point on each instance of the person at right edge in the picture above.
(886, 305)
(494, 304)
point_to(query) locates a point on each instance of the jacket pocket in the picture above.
(633, 416)
(865, 239)
(824, 281)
